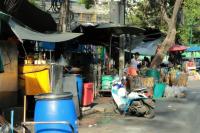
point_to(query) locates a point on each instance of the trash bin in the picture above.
(88, 94)
(79, 81)
(55, 107)
(159, 90)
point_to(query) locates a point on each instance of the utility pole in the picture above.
(117, 11)
(122, 41)
(117, 16)
(64, 23)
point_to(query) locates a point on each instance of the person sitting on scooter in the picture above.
(130, 73)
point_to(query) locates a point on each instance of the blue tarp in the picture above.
(193, 49)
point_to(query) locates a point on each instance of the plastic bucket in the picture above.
(51, 107)
(79, 81)
(106, 82)
(153, 73)
(159, 90)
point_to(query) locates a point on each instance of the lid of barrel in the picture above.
(49, 96)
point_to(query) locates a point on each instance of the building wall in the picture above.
(9, 78)
(96, 14)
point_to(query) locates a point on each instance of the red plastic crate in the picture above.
(88, 94)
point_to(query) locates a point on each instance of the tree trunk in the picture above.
(171, 34)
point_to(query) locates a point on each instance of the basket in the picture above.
(182, 80)
(147, 82)
(172, 78)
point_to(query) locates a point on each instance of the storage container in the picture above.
(88, 94)
(55, 108)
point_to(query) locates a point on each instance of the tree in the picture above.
(88, 3)
(171, 21)
(144, 13)
(190, 28)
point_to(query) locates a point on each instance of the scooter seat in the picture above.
(140, 89)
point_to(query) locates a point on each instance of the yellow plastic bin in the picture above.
(36, 79)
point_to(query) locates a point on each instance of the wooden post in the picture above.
(24, 113)
(121, 54)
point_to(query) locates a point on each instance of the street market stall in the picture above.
(167, 80)
(39, 73)
(192, 65)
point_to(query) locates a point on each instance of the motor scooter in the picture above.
(132, 103)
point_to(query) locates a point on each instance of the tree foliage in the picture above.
(88, 3)
(33, 1)
(148, 13)
(140, 13)
(190, 31)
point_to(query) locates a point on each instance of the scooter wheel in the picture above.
(116, 111)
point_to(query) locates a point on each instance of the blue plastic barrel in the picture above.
(79, 81)
(55, 107)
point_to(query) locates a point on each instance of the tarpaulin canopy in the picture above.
(118, 29)
(147, 48)
(193, 49)
(29, 14)
(25, 33)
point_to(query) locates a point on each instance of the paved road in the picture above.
(172, 116)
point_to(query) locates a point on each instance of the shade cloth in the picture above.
(25, 33)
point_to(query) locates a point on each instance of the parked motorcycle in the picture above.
(132, 103)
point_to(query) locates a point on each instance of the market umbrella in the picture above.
(177, 48)
(118, 29)
(102, 33)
